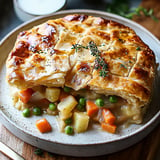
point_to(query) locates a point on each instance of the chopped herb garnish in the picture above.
(126, 53)
(102, 45)
(78, 46)
(121, 40)
(122, 65)
(39, 51)
(138, 48)
(103, 73)
(130, 61)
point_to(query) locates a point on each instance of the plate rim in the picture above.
(84, 11)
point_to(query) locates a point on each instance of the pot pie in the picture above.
(83, 70)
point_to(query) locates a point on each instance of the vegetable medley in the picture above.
(75, 111)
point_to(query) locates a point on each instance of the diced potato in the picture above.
(81, 121)
(61, 124)
(36, 97)
(65, 115)
(66, 106)
(14, 95)
(126, 110)
(15, 98)
(20, 105)
(52, 94)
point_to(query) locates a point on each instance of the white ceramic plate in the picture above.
(93, 142)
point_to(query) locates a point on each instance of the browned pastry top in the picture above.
(44, 55)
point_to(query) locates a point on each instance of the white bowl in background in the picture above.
(29, 9)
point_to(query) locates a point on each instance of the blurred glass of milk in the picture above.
(28, 9)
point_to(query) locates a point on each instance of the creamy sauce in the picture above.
(125, 114)
(41, 7)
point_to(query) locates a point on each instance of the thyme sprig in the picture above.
(78, 46)
(100, 63)
(94, 49)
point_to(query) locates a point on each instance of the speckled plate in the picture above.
(94, 142)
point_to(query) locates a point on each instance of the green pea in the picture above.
(138, 48)
(100, 102)
(82, 101)
(66, 89)
(52, 107)
(113, 99)
(80, 107)
(68, 130)
(68, 121)
(37, 111)
(26, 112)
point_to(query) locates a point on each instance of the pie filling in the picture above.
(81, 109)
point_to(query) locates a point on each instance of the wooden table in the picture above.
(144, 150)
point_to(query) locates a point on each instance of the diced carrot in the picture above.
(63, 95)
(111, 128)
(91, 108)
(108, 116)
(43, 125)
(25, 95)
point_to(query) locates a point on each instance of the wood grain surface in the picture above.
(144, 150)
(147, 21)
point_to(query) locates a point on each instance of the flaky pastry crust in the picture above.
(44, 55)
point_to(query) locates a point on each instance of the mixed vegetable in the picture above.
(74, 112)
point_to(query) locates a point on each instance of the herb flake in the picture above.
(122, 65)
(78, 46)
(121, 40)
(138, 48)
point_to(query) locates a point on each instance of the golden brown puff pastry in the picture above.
(44, 55)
